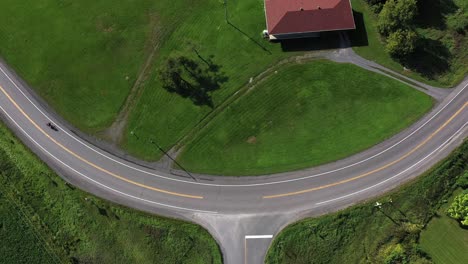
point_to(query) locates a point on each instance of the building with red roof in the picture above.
(303, 18)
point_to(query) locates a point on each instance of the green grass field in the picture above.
(304, 115)
(444, 240)
(444, 59)
(82, 57)
(21, 243)
(44, 220)
(366, 234)
(237, 48)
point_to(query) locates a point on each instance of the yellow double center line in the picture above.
(376, 170)
(90, 163)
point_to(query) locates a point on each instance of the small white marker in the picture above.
(258, 236)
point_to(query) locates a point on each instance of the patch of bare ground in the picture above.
(252, 140)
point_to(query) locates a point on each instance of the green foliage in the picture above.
(367, 234)
(273, 129)
(459, 208)
(463, 181)
(396, 14)
(458, 21)
(392, 254)
(401, 43)
(45, 220)
(439, 58)
(376, 5)
(20, 241)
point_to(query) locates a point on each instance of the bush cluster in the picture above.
(396, 23)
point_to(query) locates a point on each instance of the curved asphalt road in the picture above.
(242, 213)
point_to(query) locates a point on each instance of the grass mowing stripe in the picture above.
(303, 116)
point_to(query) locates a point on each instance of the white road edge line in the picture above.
(258, 236)
(443, 145)
(231, 185)
(94, 181)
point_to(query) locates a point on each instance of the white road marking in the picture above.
(232, 185)
(386, 180)
(258, 236)
(94, 181)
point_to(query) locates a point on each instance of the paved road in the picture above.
(242, 213)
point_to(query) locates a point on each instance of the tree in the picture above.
(396, 14)
(186, 77)
(459, 208)
(376, 5)
(401, 43)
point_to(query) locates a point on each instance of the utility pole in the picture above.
(173, 160)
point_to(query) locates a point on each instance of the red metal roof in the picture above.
(298, 16)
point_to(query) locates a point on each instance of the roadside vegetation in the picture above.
(427, 37)
(304, 115)
(406, 226)
(45, 220)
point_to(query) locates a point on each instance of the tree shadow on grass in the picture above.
(331, 39)
(432, 13)
(430, 59)
(192, 79)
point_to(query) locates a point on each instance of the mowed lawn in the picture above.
(444, 240)
(237, 47)
(83, 56)
(304, 115)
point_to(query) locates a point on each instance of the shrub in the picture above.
(459, 208)
(401, 43)
(396, 14)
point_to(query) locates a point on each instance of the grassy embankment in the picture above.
(367, 234)
(44, 220)
(319, 115)
(441, 58)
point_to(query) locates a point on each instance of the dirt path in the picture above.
(115, 132)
